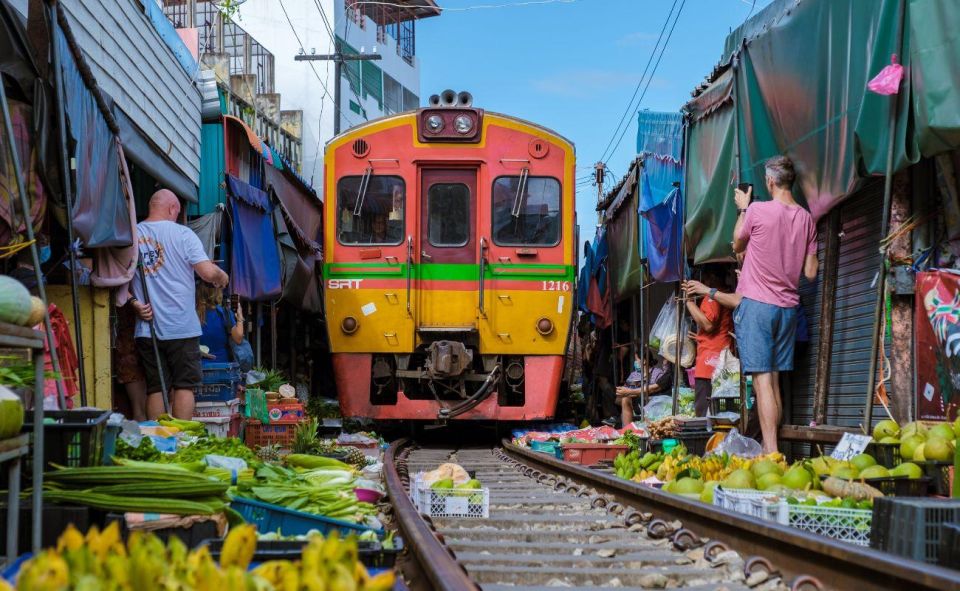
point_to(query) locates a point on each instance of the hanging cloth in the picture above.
(255, 270)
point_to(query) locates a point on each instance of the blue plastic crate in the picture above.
(216, 392)
(221, 373)
(270, 518)
(548, 447)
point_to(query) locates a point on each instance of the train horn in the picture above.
(464, 99)
(434, 100)
(448, 98)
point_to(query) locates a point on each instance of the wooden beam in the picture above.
(825, 434)
(828, 304)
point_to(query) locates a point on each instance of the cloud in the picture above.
(587, 83)
(635, 38)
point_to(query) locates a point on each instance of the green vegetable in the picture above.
(310, 462)
(145, 451)
(134, 504)
(215, 446)
(171, 489)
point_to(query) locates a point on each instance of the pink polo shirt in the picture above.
(779, 238)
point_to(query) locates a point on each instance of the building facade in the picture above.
(368, 89)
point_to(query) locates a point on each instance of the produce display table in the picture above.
(13, 450)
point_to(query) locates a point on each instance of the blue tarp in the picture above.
(586, 271)
(170, 37)
(100, 214)
(255, 257)
(660, 144)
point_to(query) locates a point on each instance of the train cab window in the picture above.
(448, 208)
(526, 211)
(370, 210)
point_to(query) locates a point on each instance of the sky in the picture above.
(572, 66)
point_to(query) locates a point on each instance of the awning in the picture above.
(252, 137)
(255, 272)
(141, 150)
(623, 234)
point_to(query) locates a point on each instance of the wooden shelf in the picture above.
(12, 335)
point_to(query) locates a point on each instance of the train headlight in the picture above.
(463, 124)
(545, 326)
(349, 325)
(434, 123)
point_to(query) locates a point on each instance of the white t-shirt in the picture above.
(169, 253)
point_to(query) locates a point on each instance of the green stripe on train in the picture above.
(449, 271)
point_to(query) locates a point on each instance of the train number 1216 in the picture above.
(556, 286)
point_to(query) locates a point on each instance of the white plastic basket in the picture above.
(450, 502)
(755, 503)
(216, 426)
(846, 525)
(217, 409)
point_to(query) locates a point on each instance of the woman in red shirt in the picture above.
(714, 334)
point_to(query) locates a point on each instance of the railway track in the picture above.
(556, 525)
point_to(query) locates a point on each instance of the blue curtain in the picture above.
(255, 270)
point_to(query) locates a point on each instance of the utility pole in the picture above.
(337, 58)
(598, 173)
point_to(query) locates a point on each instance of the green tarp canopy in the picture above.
(799, 73)
(622, 221)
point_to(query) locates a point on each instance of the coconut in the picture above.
(11, 413)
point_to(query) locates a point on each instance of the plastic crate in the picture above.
(74, 439)
(755, 503)
(911, 527)
(274, 518)
(450, 502)
(548, 447)
(695, 442)
(216, 426)
(940, 475)
(54, 519)
(901, 486)
(950, 545)
(256, 434)
(886, 454)
(721, 404)
(847, 525)
(371, 554)
(221, 373)
(216, 392)
(217, 408)
(590, 454)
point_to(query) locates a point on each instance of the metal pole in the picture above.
(884, 228)
(65, 172)
(337, 66)
(259, 324)
(644, 345)
(38, 435)
(273, 336)
(34, 254)
(682, 312)
(153, 334)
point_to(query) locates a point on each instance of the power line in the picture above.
(326, 91)
(663, 50)
(629, 109)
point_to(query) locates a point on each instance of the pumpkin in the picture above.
(15, 304)
(36, 311)
(11, 413)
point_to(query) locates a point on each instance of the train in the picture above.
(449, 264)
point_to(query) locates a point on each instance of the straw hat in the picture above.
(688, 351)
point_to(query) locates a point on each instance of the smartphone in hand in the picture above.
(746, 188)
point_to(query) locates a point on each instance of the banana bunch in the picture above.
(100, 561)
(633, 466)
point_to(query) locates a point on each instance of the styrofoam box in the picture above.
(217, 408)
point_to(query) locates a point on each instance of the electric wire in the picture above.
(630, 108)
(652, 74)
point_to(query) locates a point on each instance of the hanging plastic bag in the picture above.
(887, 82)
(736, 444)
(665, 324)
(726, 376)
(657, 408)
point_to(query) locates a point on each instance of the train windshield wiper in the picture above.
(362, 192)
(521, 193)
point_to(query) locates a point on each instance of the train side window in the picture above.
(448, 208)
(526, 211)
(370, 210)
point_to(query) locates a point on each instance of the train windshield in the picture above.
(449, 214)
(526, 211)
(370, 209)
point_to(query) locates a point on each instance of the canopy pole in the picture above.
(69, 202)
(884, 228)
(644, 345)
(681, 302)
(34, 254)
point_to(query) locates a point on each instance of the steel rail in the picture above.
(436, 562)
(797, 554)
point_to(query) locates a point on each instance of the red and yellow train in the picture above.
(450, 249)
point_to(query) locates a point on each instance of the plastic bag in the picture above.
(736, 444)
(657, 408)
(665, 324)
(887, 82)
(726, 376)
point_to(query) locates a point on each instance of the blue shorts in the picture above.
(765, 336)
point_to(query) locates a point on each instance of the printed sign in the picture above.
(937, 345)
(851, 445)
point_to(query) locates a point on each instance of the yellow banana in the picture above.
(272, 571)
(70, 539)
(312, 581)
(290, 579)
(341, 579)
(239, 546)
(380, 582)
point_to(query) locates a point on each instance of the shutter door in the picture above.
(859, 259)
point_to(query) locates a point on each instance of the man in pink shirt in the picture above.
(779, 239)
